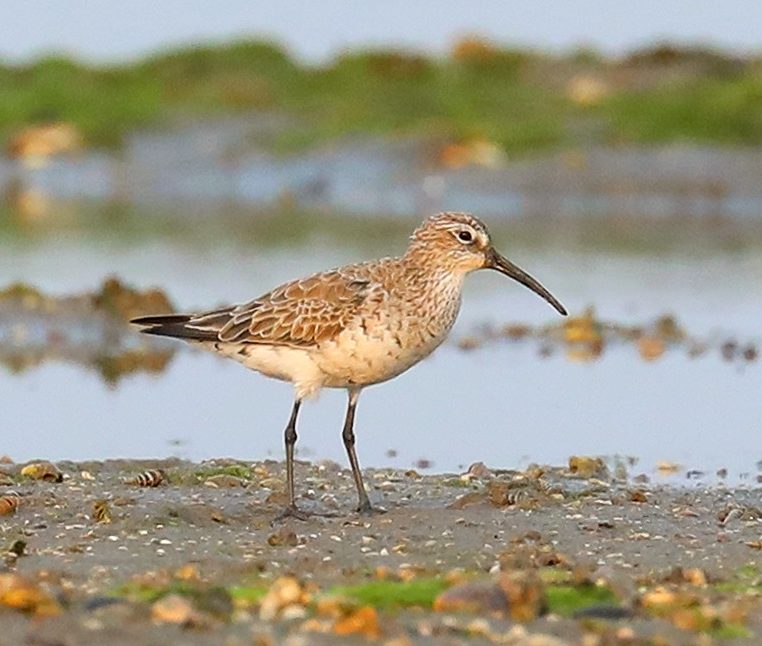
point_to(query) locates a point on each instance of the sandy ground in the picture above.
(210, 525)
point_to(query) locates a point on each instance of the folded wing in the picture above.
(299, 314)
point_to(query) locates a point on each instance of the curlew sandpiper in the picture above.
(354, 326)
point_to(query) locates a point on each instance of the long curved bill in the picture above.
(505, 266)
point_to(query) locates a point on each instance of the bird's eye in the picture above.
(465, 236)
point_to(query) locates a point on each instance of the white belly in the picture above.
(295, 365)
(353, 359)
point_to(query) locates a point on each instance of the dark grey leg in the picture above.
(348, 435)
(290, 436)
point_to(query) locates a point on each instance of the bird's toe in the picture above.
(292, 511)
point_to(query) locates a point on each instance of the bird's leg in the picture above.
(290, 436)
(348, 435)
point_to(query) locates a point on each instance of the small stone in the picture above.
(283, 536)
(479, 470)
(284, 592)
(223, 481)
(188, 572)
(17, 548)
(20, 593)
(46, 471)
(363, 621)
(271, 483)
(172, 609)
(294, 611)
(587, 466)
(525, 594)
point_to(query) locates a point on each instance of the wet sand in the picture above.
(209, 526)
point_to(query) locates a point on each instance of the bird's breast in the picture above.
(387, 339)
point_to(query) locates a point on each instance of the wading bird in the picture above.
(354, 326)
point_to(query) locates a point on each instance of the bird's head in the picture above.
(461, 243)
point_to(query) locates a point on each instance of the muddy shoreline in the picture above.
(204, 539)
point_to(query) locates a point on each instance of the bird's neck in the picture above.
(427, 259)
(434, 282)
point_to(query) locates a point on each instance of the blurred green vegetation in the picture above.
(522, 100)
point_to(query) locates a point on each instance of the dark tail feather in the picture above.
(174, 325)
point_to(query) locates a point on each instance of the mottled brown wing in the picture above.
(300, 313)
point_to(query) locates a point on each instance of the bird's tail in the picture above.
(173, 325)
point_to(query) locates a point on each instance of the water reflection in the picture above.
(585, 338)
(89, 330)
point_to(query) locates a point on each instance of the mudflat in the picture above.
(169, 551)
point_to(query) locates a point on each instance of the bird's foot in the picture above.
(364, 508)
(292, 511)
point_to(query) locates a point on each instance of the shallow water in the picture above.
(229, 159)
(501, 404)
